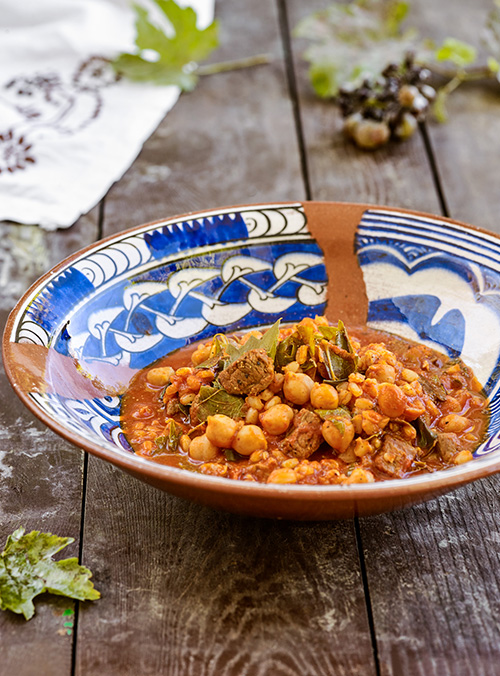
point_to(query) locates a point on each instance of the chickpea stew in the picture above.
(306, 404)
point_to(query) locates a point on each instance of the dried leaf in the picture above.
(268, 342)
(27, 569)
(214, 400)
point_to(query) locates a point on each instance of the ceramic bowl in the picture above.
(76, 338)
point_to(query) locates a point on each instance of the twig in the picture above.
(224, 66)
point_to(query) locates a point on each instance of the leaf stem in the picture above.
(236, 64)
(465, 74)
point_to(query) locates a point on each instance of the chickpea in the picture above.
(255, 402)
(409, 375)
(277, 383)
(248, 439)
(282, 476)
(361, 447)
(221, 430)
(277, 419)
(252, 416)
(463, 456)
(297, 387)
(201, 354)
(201, 448)
(454, 423)
(185, 442)
(391, 400)
(272, 402)
(187, 398)
(324, 396)
(383, 373)
(160, 376)
(360, 476)
(338, 433)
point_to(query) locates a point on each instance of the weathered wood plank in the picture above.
(396, 175)
(187, 590)
(466, 146)
(433, 569)
(40, 473)
(231, 141)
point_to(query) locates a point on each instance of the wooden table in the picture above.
(187, 591)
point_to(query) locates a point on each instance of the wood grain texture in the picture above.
(466, 147)
(40, 473)
(189, 591)
(432, 570)
(231, 141)
(434, 584)
(396, 175)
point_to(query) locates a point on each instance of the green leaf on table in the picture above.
(493, 65)
(355, 41)
(439, 105)
(456, 51)
(176, 50)
(27, 569)
(215, 400)
(491, 38)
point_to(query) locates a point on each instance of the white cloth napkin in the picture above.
(68, 128)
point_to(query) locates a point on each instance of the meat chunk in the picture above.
(249, 375)
(305, 437)
(396, 456)
(448, 445)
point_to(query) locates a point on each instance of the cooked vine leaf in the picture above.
(287, 350)
(215, 400)
(337, 335)
(333, 414)
(28, 569)
(169, 441)
(268, 342)
(434, 388)
(177, 50)
(218, 350)
(426, 438)
(339, 363)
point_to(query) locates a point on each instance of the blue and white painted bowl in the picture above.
(80, 333)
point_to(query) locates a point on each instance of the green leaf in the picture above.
(333, 414)
(493, 65)
(439, 105)
(287, 350)
(27, 569)
(340, 358)
(214, 400)
(491, 37)
(355, 41)
(460, 53)
(268, 342)
(177, 49)
(219, 345)
(169, 442)
(426, 438)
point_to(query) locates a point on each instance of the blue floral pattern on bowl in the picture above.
(143, 295)
(438, 283)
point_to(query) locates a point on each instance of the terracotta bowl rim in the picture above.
(166, 475)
